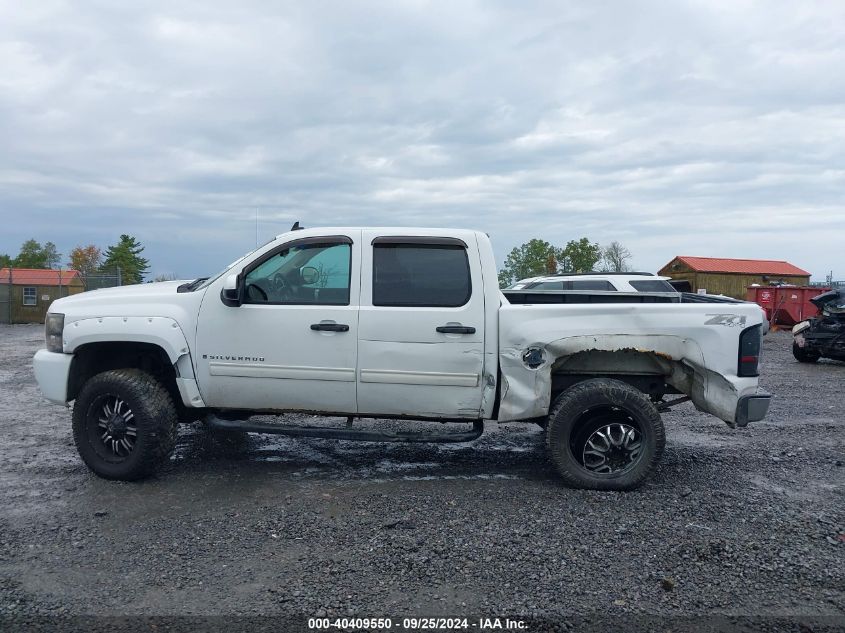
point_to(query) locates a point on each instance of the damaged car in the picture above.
(822, 336)
(400, 323)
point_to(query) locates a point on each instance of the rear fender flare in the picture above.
(526, 391)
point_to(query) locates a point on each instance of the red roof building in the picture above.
(39, 277)
(26, 293)
(742, 266)
(731, 277)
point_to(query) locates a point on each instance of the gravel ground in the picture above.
(745, 522)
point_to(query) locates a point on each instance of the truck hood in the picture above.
(153, 299)
(831, 302)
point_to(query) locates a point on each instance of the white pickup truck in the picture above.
(391, 323)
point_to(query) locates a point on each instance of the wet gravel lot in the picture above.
(745, 522)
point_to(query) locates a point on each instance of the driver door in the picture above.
(292, 343)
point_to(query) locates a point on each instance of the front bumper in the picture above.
(752, 408)
(52, 371)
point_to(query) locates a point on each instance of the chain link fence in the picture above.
(26, 293)
(5, 300)
(829, 283)
(107, 279)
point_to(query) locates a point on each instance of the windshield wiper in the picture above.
(191, 285)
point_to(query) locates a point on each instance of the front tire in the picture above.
(124, 424)
(604, 435)
(803, 356)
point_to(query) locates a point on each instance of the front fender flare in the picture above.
(163, 332)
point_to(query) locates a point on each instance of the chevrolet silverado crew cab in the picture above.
(391, 323)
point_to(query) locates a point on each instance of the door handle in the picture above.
(455, 329)
(330, 327)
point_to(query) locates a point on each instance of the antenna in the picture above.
(296, 226)
(256, 227)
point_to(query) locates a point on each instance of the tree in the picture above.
(126, 255)
(579, 256)
(5, 261)
(85, 259)
(615, 258)
(50, 255)
(33, 255)
(535, 257)
(165, 277)
(29, 255)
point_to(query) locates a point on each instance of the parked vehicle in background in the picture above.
(391, 322)
(610, 282)
(639, 287)
(822, 336)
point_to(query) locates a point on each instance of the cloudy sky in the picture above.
(699, 128)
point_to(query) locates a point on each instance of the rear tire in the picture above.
(604, 435)
(124, 424)
(803, 356)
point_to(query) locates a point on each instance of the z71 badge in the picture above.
(728, 320)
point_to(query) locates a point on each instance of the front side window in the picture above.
(421, 275)
(30, 296)
(303, 274)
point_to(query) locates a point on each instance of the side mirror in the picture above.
(309, 275)
(230, 294)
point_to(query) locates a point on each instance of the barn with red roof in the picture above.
(26, 293)
(731, 277)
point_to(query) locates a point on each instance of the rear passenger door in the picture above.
(421, 327)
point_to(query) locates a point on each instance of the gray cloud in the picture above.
(698, 128)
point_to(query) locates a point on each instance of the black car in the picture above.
(823, 336)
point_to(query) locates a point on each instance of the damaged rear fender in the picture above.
(527, 369)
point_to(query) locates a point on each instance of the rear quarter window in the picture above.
(652, 285)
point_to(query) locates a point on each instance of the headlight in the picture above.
(53, 328)
(800, 327)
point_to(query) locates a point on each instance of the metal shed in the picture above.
(731, 277)
(26, 293)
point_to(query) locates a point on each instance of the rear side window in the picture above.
(432, 275)
(652, 285)
(591, 284)
(577, 284)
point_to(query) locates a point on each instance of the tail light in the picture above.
(750, 343)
